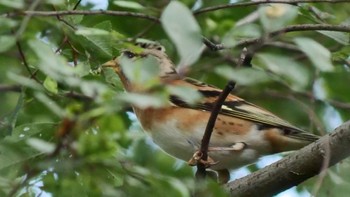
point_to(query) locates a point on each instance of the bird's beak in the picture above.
(111, 64)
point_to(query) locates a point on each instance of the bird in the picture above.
(243, 132)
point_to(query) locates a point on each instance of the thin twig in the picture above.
(86, 13)
(10, 88)
(76, 5)
(66, 22)
(211, 45)
(201, 172)
(294, 28)
(26, 19)
(258, 2)
(245, 59)
(25, 63)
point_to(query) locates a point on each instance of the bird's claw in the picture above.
(197, 158)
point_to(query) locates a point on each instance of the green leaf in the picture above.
(240, 33)
(13, 117)
(38, 130)
(112, 78)
(6, 43)
(286, 70)
(142, 72)
(128, 4)
(277, 16)
(7, 23)
(336, 84)
(86, 31)
(13, 149)
(82, 69)
(183, 29)
(41, 145)
(50, 85)
(340, 37)
(25, 81)
(189, 95)
(55, 66)
(13, 154)
(318, 54)
(93, 88)
(243, 76)
(99, 37)
(55, 2)
(18, 4)
(144, 100)
(53, 106)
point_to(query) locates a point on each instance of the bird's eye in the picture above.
(129, 54)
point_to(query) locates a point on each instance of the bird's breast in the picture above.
(179, 131)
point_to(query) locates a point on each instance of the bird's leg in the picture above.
(197, 156)
(223, 176)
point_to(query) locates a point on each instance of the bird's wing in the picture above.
(239, 108)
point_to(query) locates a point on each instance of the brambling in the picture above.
(243, 132)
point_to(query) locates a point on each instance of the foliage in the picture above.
(64, 124)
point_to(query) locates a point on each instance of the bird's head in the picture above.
(150, 56)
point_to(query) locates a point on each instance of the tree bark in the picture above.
(297, 167)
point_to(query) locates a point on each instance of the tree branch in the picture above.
(201, 172)
(85, 13)
(245, 59)
(264, 40)
(295, 168)
(258, 2)
(293, 28)
(10, 88)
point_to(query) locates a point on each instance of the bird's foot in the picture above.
(197, 158)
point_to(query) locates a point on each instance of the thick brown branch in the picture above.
(258, 2)
(86, 12)
(295, 168)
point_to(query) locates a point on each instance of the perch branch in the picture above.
(295, 168)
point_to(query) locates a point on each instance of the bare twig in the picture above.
(10, 88)
(25, 63)
(265, 40)
(26, 19)
(86, 13)
(294, 28)
(77, 96)
(245, 59)
(201, 172)
(76, 5)
(295, 168)
(212, 46)
(66, 22)
(258, 2)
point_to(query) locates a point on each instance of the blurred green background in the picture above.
(66, 128)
